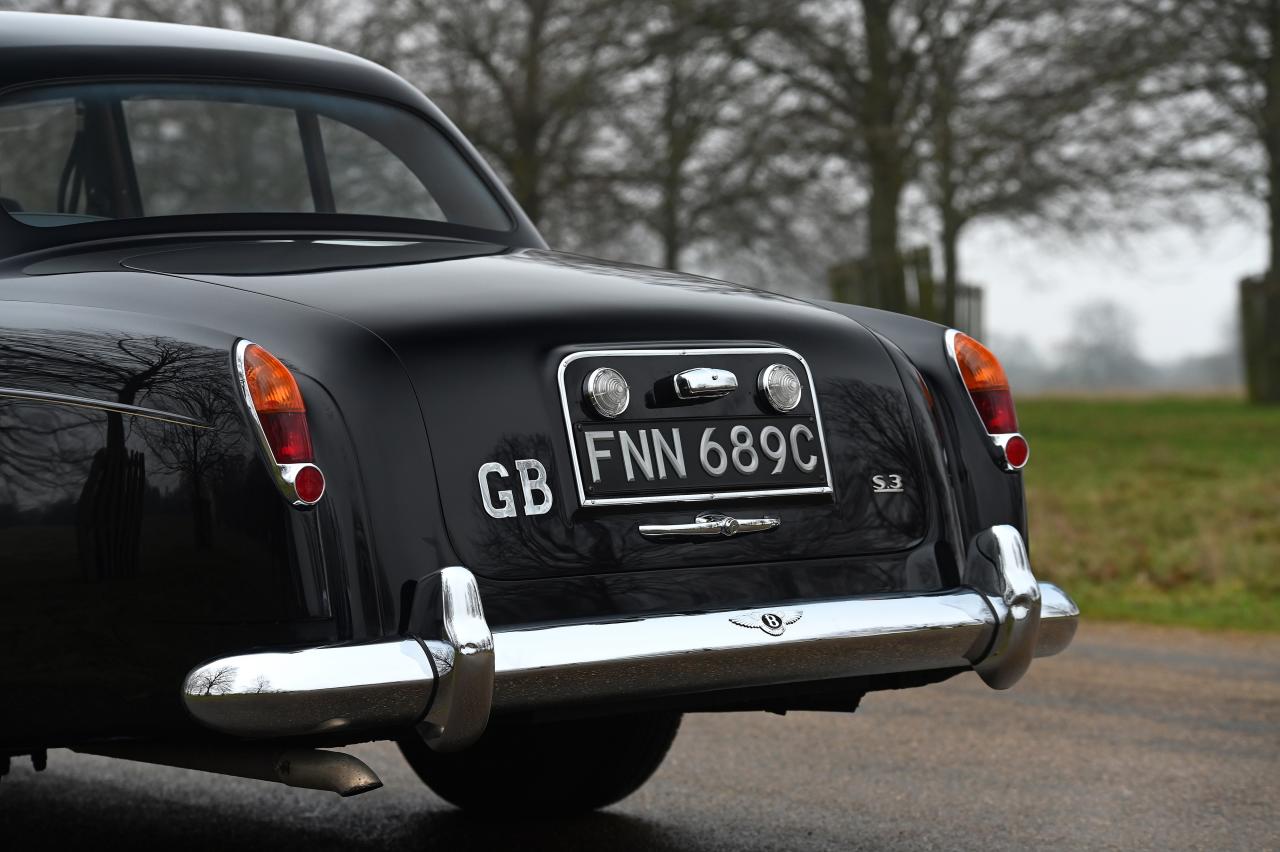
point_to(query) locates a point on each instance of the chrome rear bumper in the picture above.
(449, 686)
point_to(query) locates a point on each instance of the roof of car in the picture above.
(37, 47)
(33, 29)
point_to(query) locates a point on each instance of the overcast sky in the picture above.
(1181, 285)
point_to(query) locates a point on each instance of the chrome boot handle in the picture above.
(705, 383)
(710, 525)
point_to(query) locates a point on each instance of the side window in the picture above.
(35, 142)
(206, 156)
(369, 179)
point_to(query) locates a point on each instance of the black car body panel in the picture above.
(465, 328)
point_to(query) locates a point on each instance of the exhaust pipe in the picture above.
(309, 768)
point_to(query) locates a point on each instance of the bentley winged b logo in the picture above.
(773, 623)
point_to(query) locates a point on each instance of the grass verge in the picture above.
(1161, 510)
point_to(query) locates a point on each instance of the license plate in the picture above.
(698, 459)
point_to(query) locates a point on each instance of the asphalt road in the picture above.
(1135, 738)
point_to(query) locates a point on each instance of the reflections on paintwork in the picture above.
(644, 274)
(62, 463)
(873, 428)
(691, 589)
(543, 540)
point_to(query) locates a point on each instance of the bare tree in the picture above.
(1204, 110)
(992, 121)
(857, 68)
(1195, 120)
(528, 80)
(696, 147)
(1102, 351)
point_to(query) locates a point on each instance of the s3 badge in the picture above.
(891, 484)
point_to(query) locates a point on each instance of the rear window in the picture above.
(83, 153)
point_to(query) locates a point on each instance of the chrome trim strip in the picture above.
(102, 405)
(317, 690)
(711, 525)
(585, 502)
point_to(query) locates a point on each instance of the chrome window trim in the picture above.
(998, 439)
(285, 475)
(48, 398)
(586, 502)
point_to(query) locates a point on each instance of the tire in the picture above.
(547, 769)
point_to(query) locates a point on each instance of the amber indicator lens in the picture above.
(987, 384)
(279, 404)
(271, 385)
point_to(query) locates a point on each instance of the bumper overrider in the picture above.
(449, 686)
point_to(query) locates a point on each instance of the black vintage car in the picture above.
(306, 439)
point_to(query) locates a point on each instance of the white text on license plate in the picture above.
(656, 454)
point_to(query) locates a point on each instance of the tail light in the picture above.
(988, 388)
(280, 415)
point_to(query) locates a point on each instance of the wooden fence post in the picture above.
(1260, 324)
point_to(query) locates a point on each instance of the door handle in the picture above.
(710, 525)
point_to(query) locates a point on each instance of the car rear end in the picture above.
(776, 520)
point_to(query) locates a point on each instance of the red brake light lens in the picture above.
(987, 384)
(309, 483)
(278, 403)
(1016, 452)
(288, 435)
